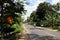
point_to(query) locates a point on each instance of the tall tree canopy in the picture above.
(45, 14)
(42, 9)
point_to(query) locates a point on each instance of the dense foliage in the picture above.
(10, 15)
(46, 15)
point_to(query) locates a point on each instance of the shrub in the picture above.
(59, 28)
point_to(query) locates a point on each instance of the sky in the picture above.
(33, 5)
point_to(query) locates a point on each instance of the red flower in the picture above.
(9, 20)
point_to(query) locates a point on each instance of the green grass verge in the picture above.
(54, 27)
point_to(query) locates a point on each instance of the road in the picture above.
(37, 33)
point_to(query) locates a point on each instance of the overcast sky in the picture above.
(33, 5)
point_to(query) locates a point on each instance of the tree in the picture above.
(41, 12)
(56, 6)
(9, 9)
(45, 15)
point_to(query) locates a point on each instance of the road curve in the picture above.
(36, 33)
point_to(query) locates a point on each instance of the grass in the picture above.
(54, 28)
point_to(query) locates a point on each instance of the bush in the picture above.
(55, 27)
(12, 28)
(17, 28)
(7, 28)
(59, 28)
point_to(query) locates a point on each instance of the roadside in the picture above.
(22, 36)
(51, 29)
(47, 28)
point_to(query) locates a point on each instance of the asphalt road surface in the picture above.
(37, 33)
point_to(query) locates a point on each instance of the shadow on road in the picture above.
(37, 37)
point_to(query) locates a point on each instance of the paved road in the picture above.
(35, 33)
